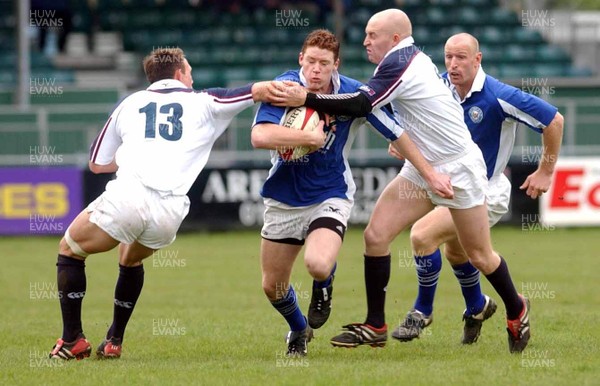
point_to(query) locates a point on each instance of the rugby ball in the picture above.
(299, 118)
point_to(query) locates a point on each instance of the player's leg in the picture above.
(283, 235)
(426, 235)
(401, 203)
(323, 244)
(163, 217)
(326, 229)
(474, 235)
(81, 239)
(127, 291)
(479, 307)
(277, 260)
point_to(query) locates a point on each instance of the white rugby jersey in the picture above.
(162, 136)
(408, 79)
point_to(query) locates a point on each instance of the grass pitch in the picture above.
(203, 319)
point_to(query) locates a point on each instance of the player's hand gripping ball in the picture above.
(299, 118)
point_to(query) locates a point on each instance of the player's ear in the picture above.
(300, 58)
(178, 75)
(336, 64)
(478, 57)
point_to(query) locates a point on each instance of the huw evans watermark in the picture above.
(537, 19)
(167, 258)
(291, 18)
(282, 360)
(44, 86)
(168, 327)
(44, 155)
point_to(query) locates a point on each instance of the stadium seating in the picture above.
(234, 48)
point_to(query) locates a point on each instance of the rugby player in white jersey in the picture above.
(493, 111)
(308, 200)
(157, 140)
(408, 79)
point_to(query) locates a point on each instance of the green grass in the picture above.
(227, 333)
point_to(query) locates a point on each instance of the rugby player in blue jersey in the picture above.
(408, 79)
(492, 111)
(308, 200)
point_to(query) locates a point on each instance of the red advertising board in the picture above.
(574, 196)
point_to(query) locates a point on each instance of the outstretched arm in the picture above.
(539, 181)
(292, 94)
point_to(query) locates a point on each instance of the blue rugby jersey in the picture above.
(492, 112)
(325, 173)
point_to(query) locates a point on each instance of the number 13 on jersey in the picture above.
(170, 132)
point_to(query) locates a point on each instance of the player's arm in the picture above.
(267, 133)
(542, 117)
(384, 121)
(104, 147)
(272, 136)
(228, 102)
(539, 181)
(440, 184)
(380, 90)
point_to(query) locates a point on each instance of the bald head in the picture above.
(384, 31)
(393, 21)
(462, 59)
(464, 40)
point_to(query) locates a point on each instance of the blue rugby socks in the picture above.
(468, 278)
(288, 308)
(428, 273)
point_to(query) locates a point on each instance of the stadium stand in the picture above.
(233, 48)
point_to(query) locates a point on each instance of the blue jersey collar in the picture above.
(477, 85)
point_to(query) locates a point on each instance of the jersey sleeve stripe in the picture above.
(521, 116)
(233, 99)
(397, 83)
(98, 141)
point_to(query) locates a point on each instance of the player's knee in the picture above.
(375, 239)
(65, 250)
(318, 269)
(271, 290)
(422, 242)
(480, 259)
(454, 257)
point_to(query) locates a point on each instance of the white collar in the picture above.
(335, 79)
(403, 43)
(477, 85)
(166, 83)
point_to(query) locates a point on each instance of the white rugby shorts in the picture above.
(468, 176)
(282, 221)
(498, 198)
(129, 211)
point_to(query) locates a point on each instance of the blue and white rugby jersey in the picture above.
(492, 112)
(325, 173)
(427, 110)
(162, 136)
